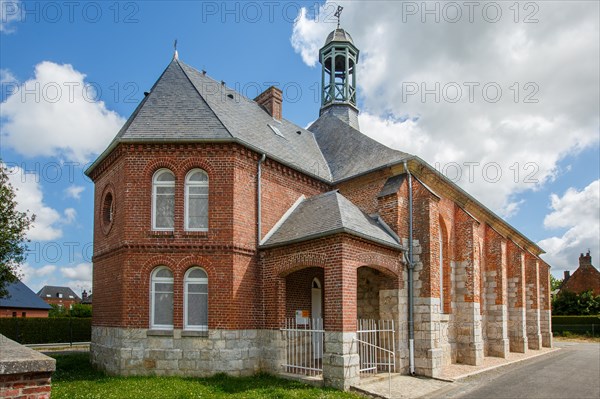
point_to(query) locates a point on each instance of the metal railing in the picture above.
(376, 340)
(304, 346)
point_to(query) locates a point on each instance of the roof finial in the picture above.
(175, 55)
(338, 13)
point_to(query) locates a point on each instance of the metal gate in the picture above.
(376, 346)
(303, 346)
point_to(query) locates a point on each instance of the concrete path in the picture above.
(403, 386)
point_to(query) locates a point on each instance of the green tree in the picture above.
(13, 227)
(568, 303)
(555, 283)
(81, 310)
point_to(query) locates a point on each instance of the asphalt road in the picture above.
(572, 372)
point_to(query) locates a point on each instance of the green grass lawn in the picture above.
(75, 378)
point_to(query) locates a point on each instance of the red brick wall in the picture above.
(127, 252)
(467, 250)
(363, 190)
(65, 302)
(495, 256)
(8, 312)
(29, 386)
(584, 278)
(340, 255)
(532, 280)
(298, 290)
(426, 229)
(516, 269)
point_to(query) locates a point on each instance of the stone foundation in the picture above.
(121, 351)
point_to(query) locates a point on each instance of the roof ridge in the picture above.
(200, 95)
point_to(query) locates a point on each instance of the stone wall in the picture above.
(24, 373)
(147, 352)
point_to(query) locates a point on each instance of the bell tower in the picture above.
(338, 58)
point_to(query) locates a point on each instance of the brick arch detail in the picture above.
(160, 163)
(195, 163)
(188, 262)
(152, 263)
(383, 263)
(298, 261)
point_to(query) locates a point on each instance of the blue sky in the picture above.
(72, 72)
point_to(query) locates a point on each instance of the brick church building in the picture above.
(218, 225)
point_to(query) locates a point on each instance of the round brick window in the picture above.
(107, 212)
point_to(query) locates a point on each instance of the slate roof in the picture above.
(187, 105)
(327, 214)
(54, 292)
(348, 151)
(20, 296)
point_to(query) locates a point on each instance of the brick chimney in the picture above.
(567, 275)
(271, 100)
(585, 260)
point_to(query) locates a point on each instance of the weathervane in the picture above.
(337, 14)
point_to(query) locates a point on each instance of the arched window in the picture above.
(161, 298)
(196, 300)
(196, 200)
(163, 200)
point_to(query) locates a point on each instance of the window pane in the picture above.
(200, 288)
(165, 176)
(197, 273)
(165, 209)
(163, 287)
(198, 213)
(164, 273)
(198, 176)
(198, 190)
(163, 308)
(197, 310)
(165, 190)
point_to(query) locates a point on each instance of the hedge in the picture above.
(588, 325)
(46, 330)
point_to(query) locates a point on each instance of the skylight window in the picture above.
(275, 130)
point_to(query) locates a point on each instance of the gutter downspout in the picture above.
(258, 200)
(411, 266)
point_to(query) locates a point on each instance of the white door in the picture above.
(317, 316)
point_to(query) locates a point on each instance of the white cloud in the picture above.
(56, 114)
(74, 191)
(577, 212)
(79, 277)
(35, 277)
(70, 215)
(10, 11)
(524, 141)
(29, 197)
(6, 76)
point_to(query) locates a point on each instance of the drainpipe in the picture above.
(258, 199)
(411, 266)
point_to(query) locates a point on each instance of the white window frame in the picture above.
(186, 281)
(189, 184)
(153, 281)
(155, 185)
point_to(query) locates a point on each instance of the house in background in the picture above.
(585, 278)
(86, 299)
(64, 297)
(22, 302)
(221, 229)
